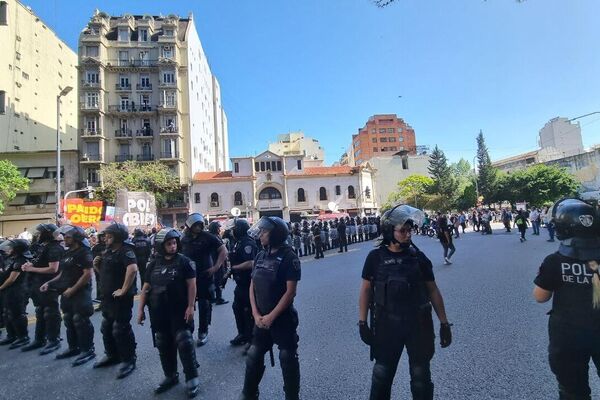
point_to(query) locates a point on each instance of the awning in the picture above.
(36, 172)
(327, 217)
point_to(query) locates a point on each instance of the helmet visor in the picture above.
(262, 225)
(6, 245)
(400, 215)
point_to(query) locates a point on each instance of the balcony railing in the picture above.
(169, 154)
(168, 84)
(130, 108)
(88, 84)
(89, 106)
(123, 133)
(144, 132)
(145, 157)
(169, 129)
(133, 63)
(127, 86)
(143, 87)
(123, 157)
(168, 105)
(91, 157)
(91, 132)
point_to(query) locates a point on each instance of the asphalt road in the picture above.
(499, 348)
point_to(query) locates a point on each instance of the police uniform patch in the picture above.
(296, 264)
(586, 220)
(248, 249)
(130, 254)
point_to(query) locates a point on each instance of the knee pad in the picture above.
(50, 312)
(106, 327)
(382, 373)
(68, 318)
(254, 357)
(184, 339)
(120, 329)
(79, 320)
(161, 340)
(288, 357)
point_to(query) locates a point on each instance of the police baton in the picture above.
(272, 357)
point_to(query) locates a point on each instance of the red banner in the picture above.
(83, 213)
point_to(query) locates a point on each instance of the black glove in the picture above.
(366, 335)
(445, 334)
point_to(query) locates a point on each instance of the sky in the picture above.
(448, 68)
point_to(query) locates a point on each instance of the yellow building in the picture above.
(36, 66)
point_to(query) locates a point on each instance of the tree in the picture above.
(487, 175)
(385, 3)
(412, 190)
(467, 198)
(444, 183)
(154, 178)
(11, 182)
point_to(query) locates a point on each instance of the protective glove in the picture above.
(445, 335)
(366, 335)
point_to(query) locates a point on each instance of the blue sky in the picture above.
(325, 66)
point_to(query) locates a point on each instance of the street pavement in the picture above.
(499, 349)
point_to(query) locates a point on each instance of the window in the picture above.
(256, 166)
(92, 77)
(375, 149)
(351, 193)
(392, 139)
(269, 193)
(196, 197)
(91, 51)
(391, 130)
(301, 196)
(169, 32)
(2, 102)
(374, 140)
(123, 58)
(143, 35)
(299, 164)
(373, 130)
(279, 166)
(145, 102)
(17, 55)
(168, 77)
(36, 173)
(381, 130)
(124, 103)
(262, 166)
(322, 194)
(367, 192)
(167, 52)
(124, 81)
(393, 148)
(144, 61)
(92, 175)
(93, 149)
(237, 199)
(236, 167)
(214, 200)
(91, 125)
(401, 139)
(91, 100)
(35, 199)
(25, 76)
(124, 35)
(338, 190)
(3, 13)
(383, 139)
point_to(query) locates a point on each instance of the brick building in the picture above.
(382, 135)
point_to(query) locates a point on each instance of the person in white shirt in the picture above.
(25, 235)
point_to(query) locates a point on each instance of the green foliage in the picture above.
(153, 177)
(11, 182)
(412, 190)
(467, 198)
(538, 185)
(444, 183)
(487, 175)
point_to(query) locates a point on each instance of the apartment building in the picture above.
(147, 94)
(296, 143)
(36, 65)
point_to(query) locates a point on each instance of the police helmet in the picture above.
(138, 232)
(575, 218)
(214, 227)
(193, 219)
(399, 215)
(119, 232)
(163, 236)
(240, 228)
(277, 227)
(18, 246)
(45, 232)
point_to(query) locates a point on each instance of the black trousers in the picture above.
(343, 243)
(13, 311)
(242, 310)
(390, 340)
(47, 313)
(569, 353)
(77, 311)
(319, 249)
(205, 293)
(117, 335)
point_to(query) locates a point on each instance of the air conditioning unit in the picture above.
(214, 204)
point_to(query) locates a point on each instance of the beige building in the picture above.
(36, 66)
(295, 143)
(146, 94)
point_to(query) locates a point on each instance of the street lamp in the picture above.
(62, 93)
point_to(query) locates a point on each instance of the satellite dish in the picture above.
(332, 206)
(236, 212)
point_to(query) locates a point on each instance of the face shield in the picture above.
(6, 247)
(262, 225)
(400, 215)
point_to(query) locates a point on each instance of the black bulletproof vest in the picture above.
(142, 248)
(397, 285)
(196, 248)
(113, 270)
(239, 256)
(169, 287)
(70, 267)
(41, 260)
(268, 290)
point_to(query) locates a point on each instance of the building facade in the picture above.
(147, 94)
(295, 143)
(36, 66)
(382, 135)
(562, 137)
(274, 185)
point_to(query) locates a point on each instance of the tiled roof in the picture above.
(206, 176)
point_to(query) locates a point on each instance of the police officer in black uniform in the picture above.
(118, 273)
(242, 261)
(13, 292)
(74, 283)
(570, 277)
(170, 292)
(273, 286)
(3, 277)
(40, 270)
(216, 228)
(199, 245)
(143, 249)
(398, 288)
(97, 252)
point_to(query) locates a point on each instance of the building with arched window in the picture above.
(286, 186)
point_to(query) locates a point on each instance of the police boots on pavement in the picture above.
(12, 291)
(275, 276)
(199, 245)
(170, 292)
(40, 270)
(570, 277)
(143, 248)
(118, 272)
(74, 283)
(398, 289)
(242, 260)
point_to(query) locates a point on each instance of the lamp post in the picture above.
(62, 93)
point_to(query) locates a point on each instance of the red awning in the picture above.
(327, 217)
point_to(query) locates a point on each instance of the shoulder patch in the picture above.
(129, 254)
(248, 249)
(296, 264)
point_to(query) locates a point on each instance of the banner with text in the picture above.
(82, 213)
(135, 209)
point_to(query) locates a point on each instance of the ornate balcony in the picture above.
(123, 157)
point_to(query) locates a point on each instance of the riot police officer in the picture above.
(273, 286)
(170, 292)
(242, 260)
(3, 276)
(40, 270)
(97, 251)
(216, 228)
(74, 283)
(143, 248)
(13, 292)
(316, 231)
(199, 245)
(398, 288)
(118, 272)
(570, 277)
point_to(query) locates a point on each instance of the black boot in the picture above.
(68, 353)
(202, 339)
(106, 361)
(20, 342)
(7, 340)
(36, 344)
(167, 383)
(192, 387)
(238, 340)
(84, 358)
(126, 369)
(53, 345)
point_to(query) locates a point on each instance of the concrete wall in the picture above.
(562, 136)
(390, 170)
